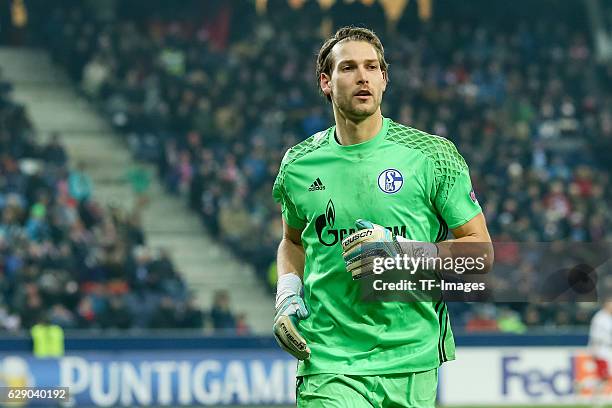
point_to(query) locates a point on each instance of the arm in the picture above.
(290, 307)
(365, 252)
(475, 235)
(290, 255)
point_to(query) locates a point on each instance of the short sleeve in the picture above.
(280, 193)
(454, 197)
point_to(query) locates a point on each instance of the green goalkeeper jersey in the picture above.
(411, 182)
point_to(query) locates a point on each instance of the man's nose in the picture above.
(362, 76)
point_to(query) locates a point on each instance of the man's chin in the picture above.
(363, 111)
(359, 111)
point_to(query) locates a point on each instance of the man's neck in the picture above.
(349, 132)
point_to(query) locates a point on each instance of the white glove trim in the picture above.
(288, 285)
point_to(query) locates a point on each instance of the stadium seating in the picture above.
(216, 112)
(65, 257)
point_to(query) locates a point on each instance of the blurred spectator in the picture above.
(510, 322)
(220, 313)
(9, 322)
(483, 320)
(165, 315)
(79, 184)
(86, 313)
(54, 152)
(140, 181)
(242, 327)
(63, 317)
(117, 315)
(47, 338)
(190, 316)
(533, 316)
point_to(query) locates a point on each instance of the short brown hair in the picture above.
(325, 60)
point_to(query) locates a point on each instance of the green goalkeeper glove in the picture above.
(374, 241)
(290, 309)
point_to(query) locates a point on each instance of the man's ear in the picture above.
(386, 78)
(325, 83)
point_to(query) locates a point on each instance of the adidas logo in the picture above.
(316, 185)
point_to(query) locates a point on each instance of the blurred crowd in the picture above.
(216, 102)
(65, 259)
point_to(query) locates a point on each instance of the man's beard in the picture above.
(360, 111)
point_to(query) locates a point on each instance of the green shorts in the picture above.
(409, 390)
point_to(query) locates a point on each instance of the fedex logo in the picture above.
(488, 376)
(536, 380)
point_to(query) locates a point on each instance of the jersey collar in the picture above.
(357, 150)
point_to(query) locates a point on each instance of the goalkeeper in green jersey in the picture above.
(336, 189)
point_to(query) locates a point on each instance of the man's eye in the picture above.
(373, 66)
(346, 67)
